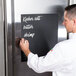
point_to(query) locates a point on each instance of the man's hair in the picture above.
(71, 11)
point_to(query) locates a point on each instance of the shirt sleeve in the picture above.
(51, 62)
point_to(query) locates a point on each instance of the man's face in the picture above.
(67, 23)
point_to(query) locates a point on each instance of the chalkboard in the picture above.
(42, 32)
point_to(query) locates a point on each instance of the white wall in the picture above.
(72, 2)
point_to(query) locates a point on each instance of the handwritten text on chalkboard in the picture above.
(27, 26)
(26, 19)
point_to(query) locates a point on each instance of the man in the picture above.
(62, 59)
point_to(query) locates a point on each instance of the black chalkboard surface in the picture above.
(42, 32)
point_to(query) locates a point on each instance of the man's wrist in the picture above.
(27, 52)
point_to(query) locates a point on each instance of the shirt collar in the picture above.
(72, 35)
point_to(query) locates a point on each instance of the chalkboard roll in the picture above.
(42, 32)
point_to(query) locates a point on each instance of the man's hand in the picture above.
(24, 45)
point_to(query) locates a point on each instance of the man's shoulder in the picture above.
(63, 43)
(60, 46)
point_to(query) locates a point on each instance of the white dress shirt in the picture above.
(61, 60)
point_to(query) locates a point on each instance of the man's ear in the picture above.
(74, 21)
(74, 24)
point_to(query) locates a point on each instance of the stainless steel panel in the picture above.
(8, 37)
(2, 60)
(14, 9)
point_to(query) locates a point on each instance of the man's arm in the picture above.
(52, 61)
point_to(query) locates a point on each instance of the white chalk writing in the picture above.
(26, 19)
(29, 34)
(37, 18)
(29, 26)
